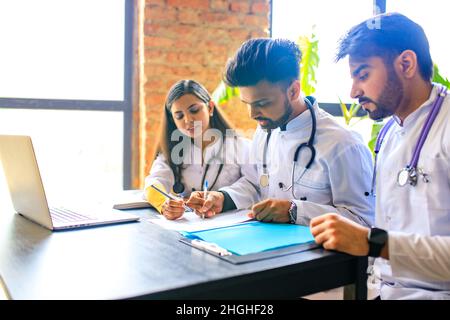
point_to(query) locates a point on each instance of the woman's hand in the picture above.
(172, 209)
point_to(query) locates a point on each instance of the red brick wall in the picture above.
(191, 39)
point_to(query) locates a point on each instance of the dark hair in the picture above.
(179, 89)
(387, 36)
(259, 59)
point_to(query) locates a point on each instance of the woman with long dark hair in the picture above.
(197, 148)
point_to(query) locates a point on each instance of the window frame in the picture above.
(334, 108)
(125, 105)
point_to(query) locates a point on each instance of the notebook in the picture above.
(131, 199)
(28, 196)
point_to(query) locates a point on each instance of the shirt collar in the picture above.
(303, 120)
(424, 107)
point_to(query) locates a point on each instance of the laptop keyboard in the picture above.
(66, 215)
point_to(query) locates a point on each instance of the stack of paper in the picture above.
(192, 222)
(131, 199)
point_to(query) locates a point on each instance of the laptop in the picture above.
(27, 190)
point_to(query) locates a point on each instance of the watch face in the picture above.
(377, 240)
(378, 236)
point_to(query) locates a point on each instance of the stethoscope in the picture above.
(264, 178)
(409, 174)
(178, 186)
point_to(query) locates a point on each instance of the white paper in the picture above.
(191, 222)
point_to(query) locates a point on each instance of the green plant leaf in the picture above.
(376, 127)
(354, 109)
(437, 77)
(309, 45)
(349, 112)
(345, 112)
(223, 93)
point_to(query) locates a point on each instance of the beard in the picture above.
(273, 124)
(389, 99)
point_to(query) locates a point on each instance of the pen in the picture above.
(205, 190)
(186, 208)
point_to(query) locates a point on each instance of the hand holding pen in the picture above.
(205, 195)
(174, 207)
(210, 206)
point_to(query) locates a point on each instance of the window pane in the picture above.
(363, 126)
(428, 14)
(293, 18)
(61, 49)
(80, 153)
(5, 201)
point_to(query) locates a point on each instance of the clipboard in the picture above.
(252, 241)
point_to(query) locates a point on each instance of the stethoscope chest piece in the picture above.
(264, 180)
(407, 176)
(403, 177)
(178, 187)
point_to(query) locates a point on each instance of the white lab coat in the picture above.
(417, 218)
(336, 182)
(234, 153)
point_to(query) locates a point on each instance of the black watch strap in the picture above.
(377, 239)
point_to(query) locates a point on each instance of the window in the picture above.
(66, 81)
(332, 19)
(77, 158)
(428, 14)
(62, 49)
(293, 18)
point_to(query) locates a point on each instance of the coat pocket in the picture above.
(312, 185)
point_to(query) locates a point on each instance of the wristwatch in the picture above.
(293, 213)
(377, 239)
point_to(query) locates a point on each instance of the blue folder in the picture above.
(255, 237)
